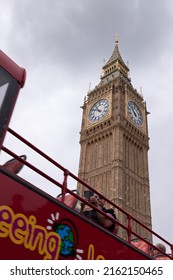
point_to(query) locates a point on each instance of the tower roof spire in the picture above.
(115, 61)
(116, 54)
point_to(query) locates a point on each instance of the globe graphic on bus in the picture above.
(67, 239)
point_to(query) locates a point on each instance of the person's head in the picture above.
(161, 247)
(94, 200)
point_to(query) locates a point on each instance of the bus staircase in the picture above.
(71, 198)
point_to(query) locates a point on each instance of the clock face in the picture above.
(99, 110)
(135, 113)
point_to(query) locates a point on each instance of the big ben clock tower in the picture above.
(114, 141)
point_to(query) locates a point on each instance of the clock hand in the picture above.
(134, 112)
(98, 110)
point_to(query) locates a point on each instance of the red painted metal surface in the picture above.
(12, 68)
(13, 77)
(33, 225)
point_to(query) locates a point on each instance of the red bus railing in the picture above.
(65, 190)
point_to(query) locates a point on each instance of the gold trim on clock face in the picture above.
(99, 110)
(135, 113)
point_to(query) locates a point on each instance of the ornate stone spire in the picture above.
(116, 54)
(115, 62)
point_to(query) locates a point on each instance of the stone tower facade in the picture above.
(114, 142)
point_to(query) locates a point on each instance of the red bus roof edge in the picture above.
(12, 68)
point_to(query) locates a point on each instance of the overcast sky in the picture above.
(63, 44)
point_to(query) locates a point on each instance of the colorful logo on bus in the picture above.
(67, 231)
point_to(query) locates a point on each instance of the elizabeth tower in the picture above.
(114, 141)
